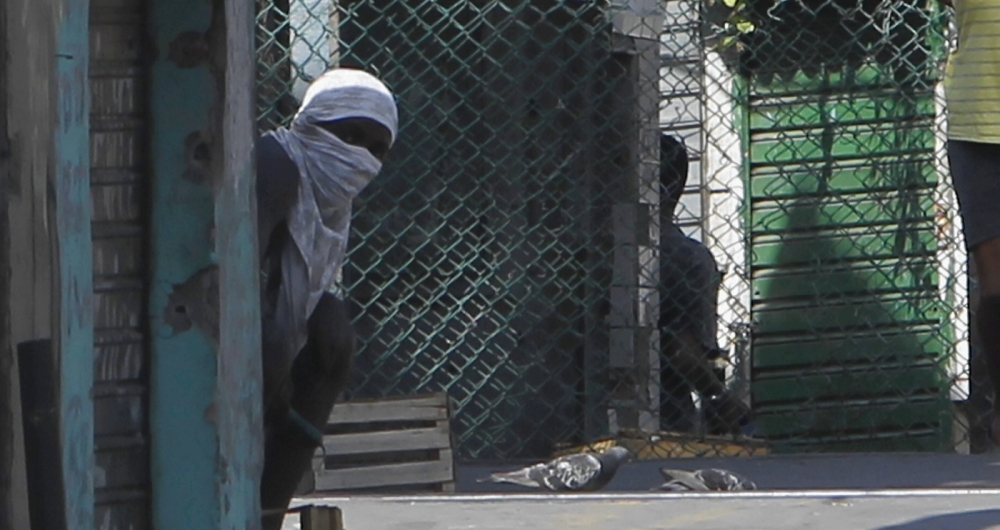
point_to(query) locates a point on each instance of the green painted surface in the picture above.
(871, 242)
(869, 76)
(849, 328)
(876, 276)
(904, 440)
(855, 142)
(861, 312)
(897, 379)
(183, 366)
(75, 265)
(849, 111)
(862, 209)
(846, 176)
(848, 348)
(875, 415)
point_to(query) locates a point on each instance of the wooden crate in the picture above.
(321, 518)
(393, 444)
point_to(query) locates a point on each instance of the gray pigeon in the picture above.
(576, 472)
(704, 480)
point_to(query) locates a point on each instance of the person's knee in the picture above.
(331, 336)
(322, 369)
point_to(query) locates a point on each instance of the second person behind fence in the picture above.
(689, 287)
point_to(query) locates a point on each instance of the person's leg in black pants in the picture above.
(975, 171)
(319, 374)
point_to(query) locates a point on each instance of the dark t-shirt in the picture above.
(689, 285)
(277, 190)
(277, 186)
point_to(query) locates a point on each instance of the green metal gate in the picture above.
(850, 338)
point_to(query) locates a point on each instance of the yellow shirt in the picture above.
(972, 80)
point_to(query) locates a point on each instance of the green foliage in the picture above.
(727, 21)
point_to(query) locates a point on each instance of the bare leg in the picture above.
(987, 257)
(318, 376)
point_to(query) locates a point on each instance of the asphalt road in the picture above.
(832, 510)
(868, 471)
(816, 492)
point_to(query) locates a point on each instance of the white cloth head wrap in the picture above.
(332, 173)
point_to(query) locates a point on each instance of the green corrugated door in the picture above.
(849, 336)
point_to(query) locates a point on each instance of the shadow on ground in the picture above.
(974, 520)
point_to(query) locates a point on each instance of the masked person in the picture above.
(307, 176)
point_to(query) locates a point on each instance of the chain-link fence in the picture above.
(705, 226)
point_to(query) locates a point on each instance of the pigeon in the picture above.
(576, 472)
(704, 480)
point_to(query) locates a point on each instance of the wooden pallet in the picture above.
(393, 444)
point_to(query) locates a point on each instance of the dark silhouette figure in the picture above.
(689, 286)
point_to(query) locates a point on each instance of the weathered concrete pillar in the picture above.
(634, 339)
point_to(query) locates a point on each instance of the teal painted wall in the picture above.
(205, 417)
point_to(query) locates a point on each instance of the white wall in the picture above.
(697, 105)
(314, 43)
